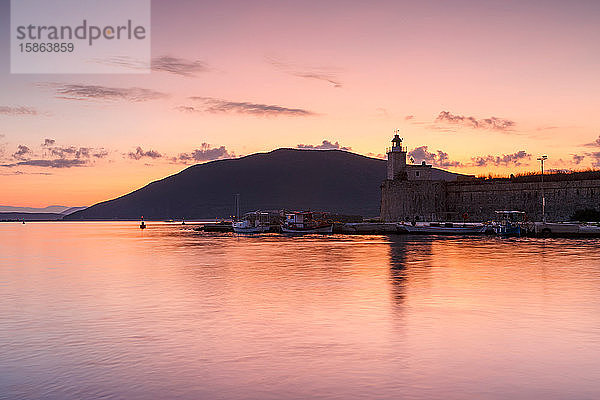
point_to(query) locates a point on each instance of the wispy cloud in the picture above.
(22, 152)
(439, 158)
(594, 156)
(139, 154)
(52, 156)
(178, 66)
(100, 153)
(188, 109)
(12, 172)
(124, 62)
(77, 152)
(596, 159)
(595, 143)
(492, 123)
(212, 105)
(325, 145)
(505, 159)
(173, 65)
(205, 153)
(103, 93)
(577, 159)
(56, 163)
(20, 110)
(326, 74)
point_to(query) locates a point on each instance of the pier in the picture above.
(528, 229)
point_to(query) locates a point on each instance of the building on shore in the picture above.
(421, 192)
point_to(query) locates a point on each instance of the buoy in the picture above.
(143, 224)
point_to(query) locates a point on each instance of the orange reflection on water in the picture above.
(104, 309)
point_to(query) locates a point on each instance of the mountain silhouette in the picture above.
(326, 180)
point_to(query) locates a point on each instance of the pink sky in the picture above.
(281, 73)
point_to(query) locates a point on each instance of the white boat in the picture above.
(253, 222)
(443, 229)
(246, 226)
(305, 223)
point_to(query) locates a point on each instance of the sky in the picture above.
(479, 87)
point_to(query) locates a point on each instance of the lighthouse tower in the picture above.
(396, 158)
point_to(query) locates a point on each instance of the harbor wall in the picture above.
(403, 200)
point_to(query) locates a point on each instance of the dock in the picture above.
(529, 229)
(561, 229)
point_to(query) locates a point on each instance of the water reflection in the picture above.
(106, 311)
(398, 267)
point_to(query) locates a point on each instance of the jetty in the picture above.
(528, 229)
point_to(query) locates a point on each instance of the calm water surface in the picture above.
(106, 311)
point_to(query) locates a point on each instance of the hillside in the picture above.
(328, 180)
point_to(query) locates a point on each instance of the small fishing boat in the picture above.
(254, 222)
(246, 226)
(448, 228)
(258, 222)
(306, 223)
(508, 223)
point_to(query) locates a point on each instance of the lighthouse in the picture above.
(396, 158)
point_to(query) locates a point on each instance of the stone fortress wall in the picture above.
(478, 200)
(451, 197)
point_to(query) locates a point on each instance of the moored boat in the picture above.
(257, 222)
(306, 223)
(246, 226)
(447, 228)
(508, 223)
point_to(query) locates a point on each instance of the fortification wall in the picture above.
(406, 200)
(403, 200)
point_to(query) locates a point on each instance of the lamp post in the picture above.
(541, 160)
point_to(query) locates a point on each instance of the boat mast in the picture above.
(236, 215)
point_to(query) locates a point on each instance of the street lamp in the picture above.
(541, 160)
